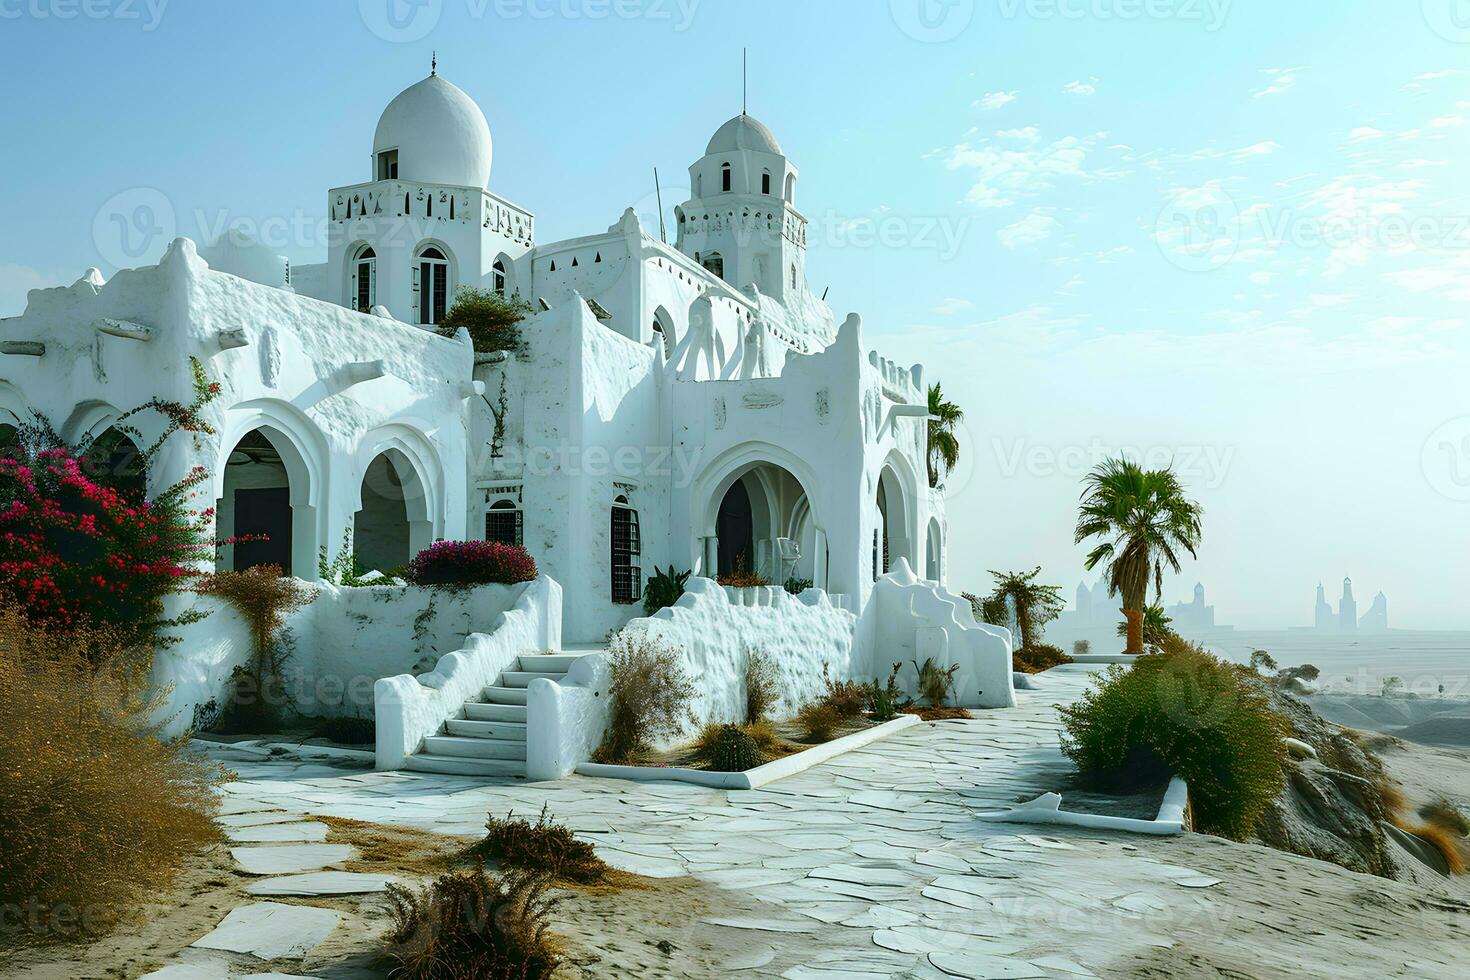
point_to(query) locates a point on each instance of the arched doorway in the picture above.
(266, 489)
(934, 553)
(894, 539)
(114, 460)
(763, 526)
(380, 529)
(735, 528)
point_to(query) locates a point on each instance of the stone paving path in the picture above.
(871, 865)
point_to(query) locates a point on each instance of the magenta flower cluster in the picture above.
(472, 563)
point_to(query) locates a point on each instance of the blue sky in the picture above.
(1231, 234)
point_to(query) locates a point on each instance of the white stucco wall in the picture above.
(716, 629)
(343, 642)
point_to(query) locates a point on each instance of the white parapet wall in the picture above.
(409, 709)
(717, 629)
(336, 647)
(565, 719)
(907, 621)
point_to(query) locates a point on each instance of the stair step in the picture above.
(514, 731)
(474, 748)
(480, 711)
(505, 695)
(453, 766)
(551, 663)
(523, 678)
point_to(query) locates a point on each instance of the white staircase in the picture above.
(489, 736)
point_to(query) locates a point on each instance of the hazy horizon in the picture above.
(1234, 236)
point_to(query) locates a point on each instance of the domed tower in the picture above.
(435, 133)
(741, 221)
(424, 225)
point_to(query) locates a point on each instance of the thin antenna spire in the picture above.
(744, 80)
(663, 235)
(434, 63)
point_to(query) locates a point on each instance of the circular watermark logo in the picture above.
(130, 226)
(932, 21)
(1198, 229)
(1450, 19)
(400, 21)
(1446, 459)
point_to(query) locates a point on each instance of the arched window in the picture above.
(497, 275)
(765, 182)
(364, 287)
(627, 561)
(793, 275)
(504, 522)
(432, 285)
(791, 188)
(714, 262)
(726, 179)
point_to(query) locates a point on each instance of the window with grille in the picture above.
(627, 570)
(505, 523)
(433, 286)
(365, 280)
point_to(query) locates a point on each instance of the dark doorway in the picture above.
(736, 531)
(264, 512)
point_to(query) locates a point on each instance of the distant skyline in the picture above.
(1234, 235)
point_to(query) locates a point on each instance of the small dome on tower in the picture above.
(743, 133)
(439, 136)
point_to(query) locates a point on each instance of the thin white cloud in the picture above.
(1004, 174)
(1034, 228)
(1365, 133)
(994, 100)
(953, 305)
(1281, 79)
(1081, 88)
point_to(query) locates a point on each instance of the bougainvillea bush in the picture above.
(77, 554)
(472, 563)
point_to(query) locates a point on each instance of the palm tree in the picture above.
(1155, 626)
(1035, 604)
(1146, 521)
(944, 448)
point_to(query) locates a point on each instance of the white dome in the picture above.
(440, 134)
(743, 133)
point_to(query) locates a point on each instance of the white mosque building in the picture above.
(689, 404)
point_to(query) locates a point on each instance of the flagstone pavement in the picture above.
(871, 865)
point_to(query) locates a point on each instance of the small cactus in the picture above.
(734, 751)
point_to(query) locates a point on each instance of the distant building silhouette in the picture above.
(1347, 607)
(1193, 615)
(1346, 617)
(1376, 618)
(1325, 618)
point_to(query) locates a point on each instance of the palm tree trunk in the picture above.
(1135, 631)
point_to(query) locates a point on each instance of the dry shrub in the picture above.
(936, 683)
(1038, 657)
(97, 811)
(760, 686)
(1447, 815)
(766, 737)
(650, 693)
(742, 577)
(543, 847)
(466, 925)
(848, 698)
(264, 598)
(818, 721)
(1391, 796)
